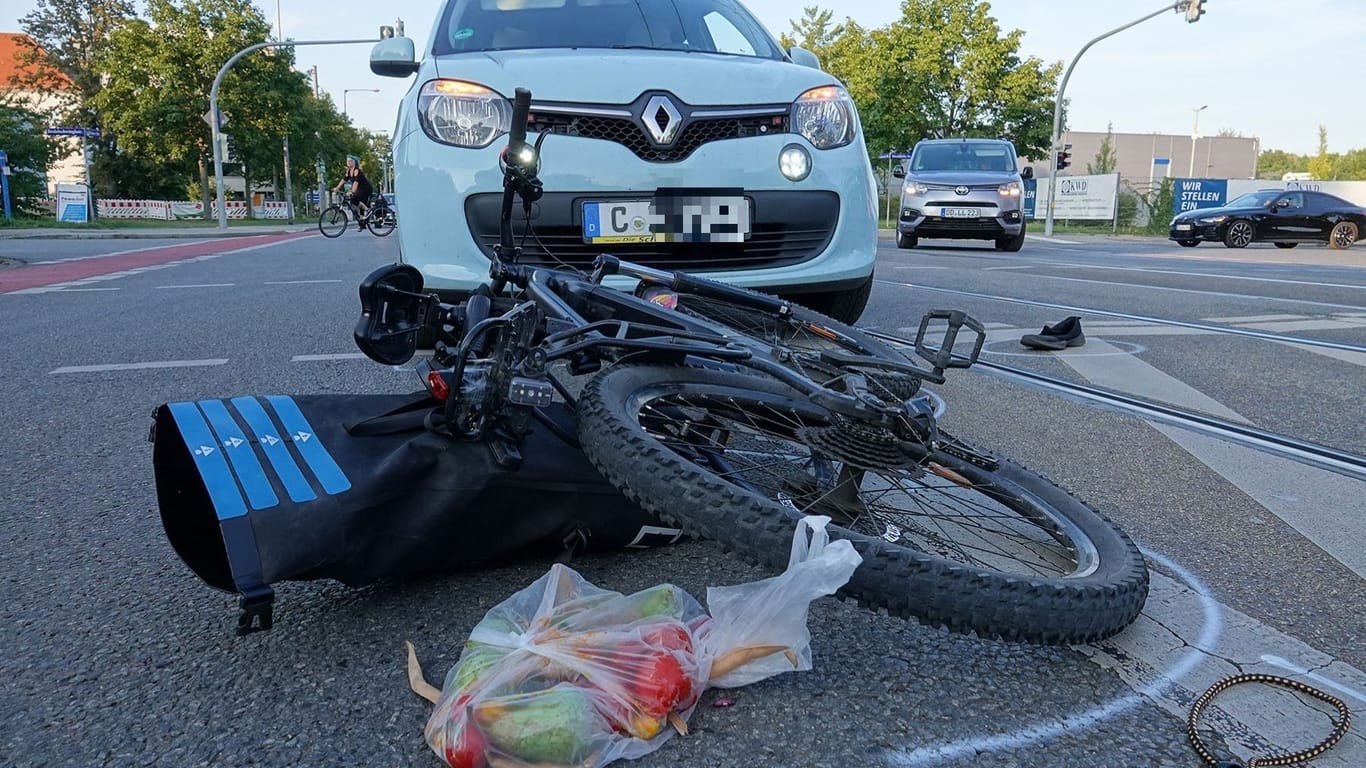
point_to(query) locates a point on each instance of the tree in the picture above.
(1229, 133)
(945, 69)
(69, 37)
(1105, 161)
(1321, 165)
(30, 153)
(1275, 163)
(159, 73)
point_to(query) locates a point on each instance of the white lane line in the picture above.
(1220, 294)
(299, 282)
(138, 366)
(998, 269)
(318, 358)
(1043, 239)
(85, 290)
(198, 285)
(1252, 319)
(1282, 280)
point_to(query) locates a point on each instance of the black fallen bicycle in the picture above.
(734, 413)
(379, 217)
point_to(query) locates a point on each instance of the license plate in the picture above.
(962, 213)
(1181, 227)
(687, 216)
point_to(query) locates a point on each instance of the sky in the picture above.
(1269, 69)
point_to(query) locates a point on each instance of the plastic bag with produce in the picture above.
(564, 673)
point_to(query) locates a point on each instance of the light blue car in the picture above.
(680, 136)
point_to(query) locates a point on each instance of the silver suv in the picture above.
(963, 189)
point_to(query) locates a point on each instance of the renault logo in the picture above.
(661, 119)
(960, 190)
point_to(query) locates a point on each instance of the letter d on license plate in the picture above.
(673, 216)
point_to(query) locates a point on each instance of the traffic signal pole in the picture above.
(1190, 7)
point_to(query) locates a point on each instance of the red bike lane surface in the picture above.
(20, 278)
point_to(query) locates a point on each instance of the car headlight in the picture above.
(463, 114)
(1212, 220)
(1009, 189)
(825, 117)
(916, 188)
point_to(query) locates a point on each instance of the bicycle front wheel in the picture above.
(999, 550)
(332, 222)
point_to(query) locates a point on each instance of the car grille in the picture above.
(787, 228)
(983, 226)
(627, 132)
(959, 203)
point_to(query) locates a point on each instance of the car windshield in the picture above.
(708, 26)
(1255, 199)
(963, 156)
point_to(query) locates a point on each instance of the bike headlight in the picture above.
(825, 117)
(463, 114)
(915, 188)
(1009, 189)
(1212, 220)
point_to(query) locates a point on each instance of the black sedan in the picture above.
(1284, 217)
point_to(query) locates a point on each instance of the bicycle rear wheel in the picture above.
(332, 222)
(382, 221)
(997, 550)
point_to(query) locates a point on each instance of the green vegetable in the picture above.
(557, 726)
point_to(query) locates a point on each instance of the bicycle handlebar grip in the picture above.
(521, 108)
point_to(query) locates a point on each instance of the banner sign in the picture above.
(1194, 194)
(1078, 197)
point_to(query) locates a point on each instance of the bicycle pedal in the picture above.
(944, 355)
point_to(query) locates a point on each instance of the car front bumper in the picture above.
(1196, 231)
(931, 216)
(817, 234)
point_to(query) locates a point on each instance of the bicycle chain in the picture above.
(1339, 728)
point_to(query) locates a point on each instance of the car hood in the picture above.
(1201, 213)
(617, 77)
(963, 177)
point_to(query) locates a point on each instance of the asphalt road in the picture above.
(117, 655)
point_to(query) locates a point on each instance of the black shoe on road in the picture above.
(1055, 337)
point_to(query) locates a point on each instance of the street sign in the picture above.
(4, 157)
(1162, 161)
(208, 118)
(93, 133)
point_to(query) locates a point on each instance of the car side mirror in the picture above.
(899, 172)
(1028, 172)
(803, 57)
(393, 313)
(394, 57)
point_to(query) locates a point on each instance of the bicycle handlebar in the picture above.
(521, 108)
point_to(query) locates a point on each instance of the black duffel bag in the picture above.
(257, 490)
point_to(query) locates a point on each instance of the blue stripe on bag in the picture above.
(243, 459)
(315, 454)
(213, 468)
(265, 432)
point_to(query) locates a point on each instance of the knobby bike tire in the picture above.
(330, 219)
(926, 586)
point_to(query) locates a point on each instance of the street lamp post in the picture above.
(216, 118)
(354, 90)
(1180, 5)
(1195, 136)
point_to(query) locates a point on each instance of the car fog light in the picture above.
(794, 162)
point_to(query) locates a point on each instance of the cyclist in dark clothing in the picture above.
(359, 195)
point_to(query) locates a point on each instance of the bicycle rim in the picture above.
(332, 222)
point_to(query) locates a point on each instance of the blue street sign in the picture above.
(93, 133)
(1162, 161)
(4, 157)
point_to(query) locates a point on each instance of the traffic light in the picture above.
(1194, 11)
(1064, 156)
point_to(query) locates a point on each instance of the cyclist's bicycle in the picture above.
(379, 217)
(734, 413)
